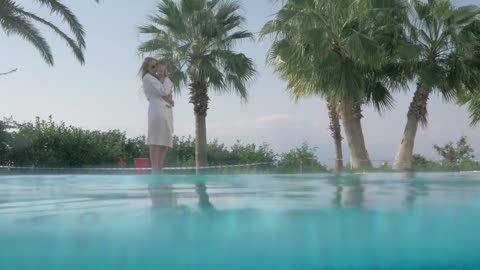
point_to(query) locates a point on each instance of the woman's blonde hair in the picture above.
(144, 67)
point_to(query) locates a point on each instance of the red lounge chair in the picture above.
(141, 164)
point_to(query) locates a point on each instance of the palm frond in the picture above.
(471, 99)
(175, 72)
(159, 45)
(60, 9)
(76, 49)
(14, 23)
(379, 97)
(14, 19)
(238, 70)
(188, 7)
(150, 29)
(170, 17)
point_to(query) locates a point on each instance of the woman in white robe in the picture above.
(158, 90)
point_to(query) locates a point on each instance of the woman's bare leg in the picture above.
(163, 154)
(155, 157)
(162, 194)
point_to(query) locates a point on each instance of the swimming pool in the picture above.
(364, 221)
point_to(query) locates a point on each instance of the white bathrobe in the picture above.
(160, 115)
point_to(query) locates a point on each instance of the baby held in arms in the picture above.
(162, 75)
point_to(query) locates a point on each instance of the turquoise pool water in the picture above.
(368, 221)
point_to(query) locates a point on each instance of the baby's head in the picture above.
(162, 71)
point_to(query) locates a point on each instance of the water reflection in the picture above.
(162, 195)
(203, 198)
(348, 191)
(165, 195)
(42, 196)
(336, 183)
(354, 194)
(414, 189)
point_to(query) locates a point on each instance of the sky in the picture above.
(105, 93)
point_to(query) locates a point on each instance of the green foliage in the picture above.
(471, 99)
(5, 138)
(134, 148)
(443, 166)
(301, 159)
(458, 157)
(439, 166)
(251, 153)
(182, 153)
(384, 166)
(419, 161)
(218, 154)
(460, 152)
(44, 143)
(422, 164)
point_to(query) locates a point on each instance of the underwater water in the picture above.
(319, 221)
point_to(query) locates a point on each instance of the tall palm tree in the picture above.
(14, 19)
(338, 49)
(195, 38)
(444, 65)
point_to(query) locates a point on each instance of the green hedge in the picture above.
(44, 143)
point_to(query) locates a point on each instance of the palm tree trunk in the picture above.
(199, 98)
(417, 113)
(336, 134)
(351, 115)
(200, 141)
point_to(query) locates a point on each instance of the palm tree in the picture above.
(195, 39)
(338, 49)
(445, 64)
(14, 19)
